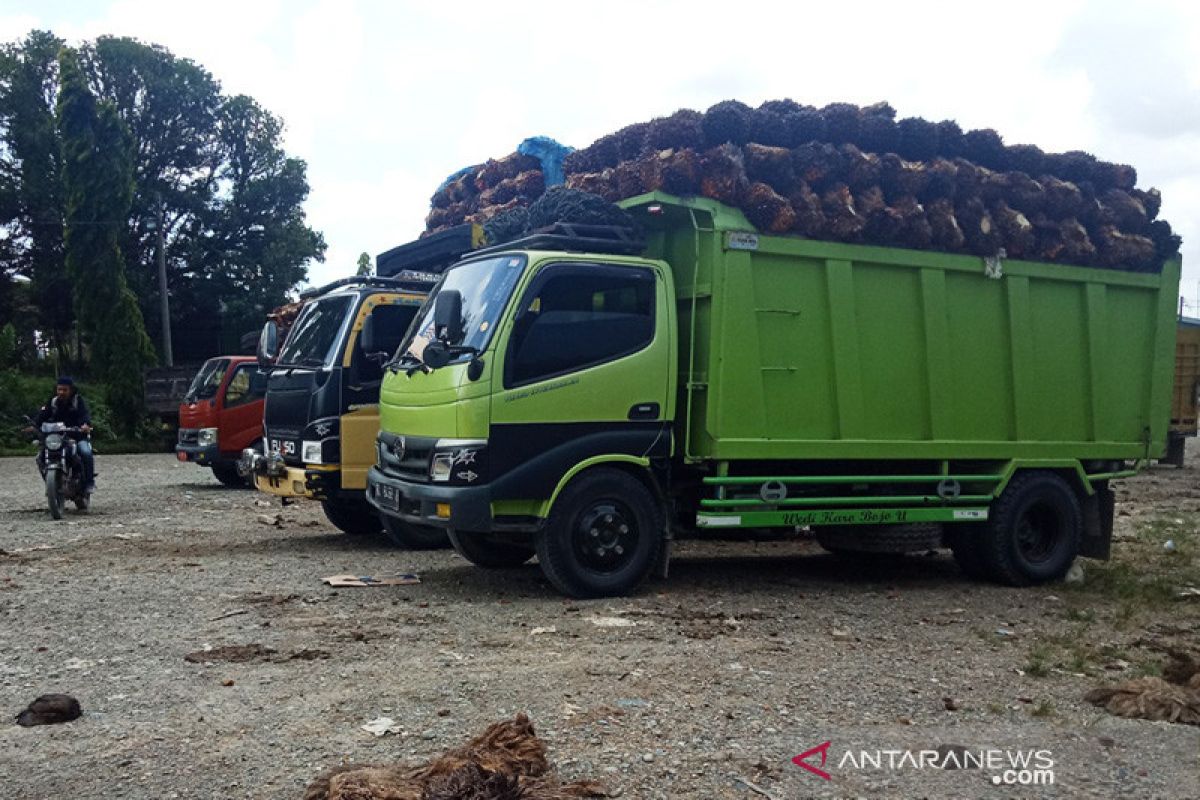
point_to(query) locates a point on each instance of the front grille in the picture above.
(414, 464)
(189, 435)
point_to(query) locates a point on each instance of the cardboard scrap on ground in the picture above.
(368, 580)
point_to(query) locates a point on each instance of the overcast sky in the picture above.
(384, 99)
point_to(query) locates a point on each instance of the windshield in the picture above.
(207, 380)
(485, 287)
(312, 341)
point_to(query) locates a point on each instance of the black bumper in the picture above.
(205, 455)
(470, 506)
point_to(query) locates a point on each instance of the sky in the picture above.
(385, 99)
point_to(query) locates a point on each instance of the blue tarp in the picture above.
(550, 153)
(543, 148)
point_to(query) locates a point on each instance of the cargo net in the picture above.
(849, 174)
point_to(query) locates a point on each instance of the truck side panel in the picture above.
(812, 350)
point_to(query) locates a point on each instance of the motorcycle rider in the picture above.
(68, 407)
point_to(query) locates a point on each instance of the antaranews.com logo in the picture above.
(1021, 767)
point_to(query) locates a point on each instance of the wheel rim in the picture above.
(1039, 532)
(605, 536)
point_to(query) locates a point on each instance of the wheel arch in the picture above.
(636, 466)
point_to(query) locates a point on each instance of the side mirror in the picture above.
(436, 354)
(268, 345)
(366, 337)
(447, 316)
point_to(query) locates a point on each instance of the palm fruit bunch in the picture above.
(853, 174)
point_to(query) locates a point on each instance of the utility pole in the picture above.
(164, 303)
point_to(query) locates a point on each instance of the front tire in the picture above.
(353, 517)
(54, 497)
(413, 537)
(1033, 532)
(227, 474)
(488, 553)
(603, 537)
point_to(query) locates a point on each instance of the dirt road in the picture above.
(703, 686)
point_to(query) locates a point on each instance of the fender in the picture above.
(611, 458)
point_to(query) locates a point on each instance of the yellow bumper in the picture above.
(290, 485)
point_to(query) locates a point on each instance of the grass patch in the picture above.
(1044, 708)
(1038, 665)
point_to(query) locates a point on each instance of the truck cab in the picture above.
(321, 415)
(221, 415)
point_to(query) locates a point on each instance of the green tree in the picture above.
(212, 166)
(98, 187)
(31, 168)
(364, 264)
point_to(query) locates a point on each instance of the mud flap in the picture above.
(1098, 524)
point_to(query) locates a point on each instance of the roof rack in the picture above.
(405, 279)
(432, 253)
(576, 237)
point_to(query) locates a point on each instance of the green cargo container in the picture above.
(590, 400)
(799, 349)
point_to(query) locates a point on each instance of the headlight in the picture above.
(54, 441)
(310, 452)
(206, 437)
(439, 468)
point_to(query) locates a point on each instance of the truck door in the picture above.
(587, 370)
(241, 417)
(361, 379)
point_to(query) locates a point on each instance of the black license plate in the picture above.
(388, 496)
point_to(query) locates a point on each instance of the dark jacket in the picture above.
(73, 413)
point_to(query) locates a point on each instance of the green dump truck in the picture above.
(587, 397)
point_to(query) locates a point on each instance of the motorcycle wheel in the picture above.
(82, 501)
(54, 498)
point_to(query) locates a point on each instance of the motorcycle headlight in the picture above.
(310, 452)
(206, 437)
(439, 468)
(54, 441)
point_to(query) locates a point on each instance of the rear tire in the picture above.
(413, 537)
(82, 502)
(965, 541)
(603, 537)
(879, 540)
(54, 498)
(353, 517)
(488, 553)
(227, 474)
(1034, 529)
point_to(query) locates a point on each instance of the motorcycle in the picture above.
(58, 461)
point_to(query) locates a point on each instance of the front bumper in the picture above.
(296, 482)
(200, 454)
(470, 506)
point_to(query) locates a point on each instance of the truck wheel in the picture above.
(1033, 532)
(355, 517)
(879, 540)
(603, 537)
(1176, 445)
(227, 474)
(54, 498)
(413, 537)
(488, 553)
(965, 541)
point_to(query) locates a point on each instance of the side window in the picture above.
(390, 322)
(574, 317)
(239, 391)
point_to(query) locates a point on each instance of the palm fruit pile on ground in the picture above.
(851, 174)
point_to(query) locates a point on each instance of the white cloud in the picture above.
(384, 99)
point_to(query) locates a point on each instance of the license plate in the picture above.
(388, 496)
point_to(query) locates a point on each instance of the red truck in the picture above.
(221, 414)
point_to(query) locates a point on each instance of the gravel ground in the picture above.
(703, 686)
